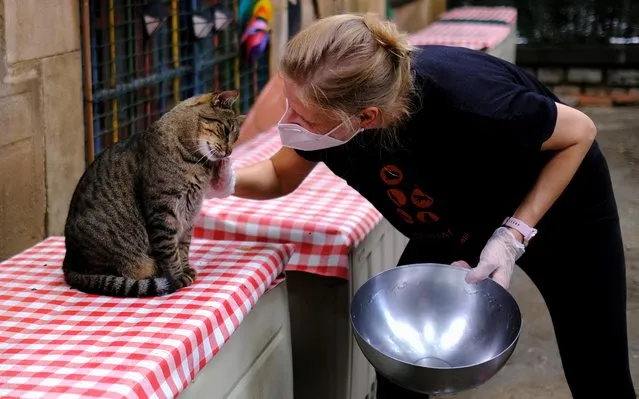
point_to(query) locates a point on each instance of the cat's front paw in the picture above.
(187, 278)
(222, 184)
(190, 272)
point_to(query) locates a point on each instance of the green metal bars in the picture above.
(145, 57)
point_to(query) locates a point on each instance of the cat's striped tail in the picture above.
(104, 284)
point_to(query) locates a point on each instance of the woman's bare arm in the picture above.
(275, 177)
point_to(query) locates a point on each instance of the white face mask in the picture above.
(295, 136)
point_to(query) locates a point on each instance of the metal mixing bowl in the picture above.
(424, 328)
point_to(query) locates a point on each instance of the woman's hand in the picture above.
(223, 183)
(497, 259)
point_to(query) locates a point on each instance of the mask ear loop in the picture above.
(355, 133)
(361, 129)
(285, 111)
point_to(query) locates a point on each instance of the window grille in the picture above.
(136, 77)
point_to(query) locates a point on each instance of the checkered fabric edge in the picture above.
(471, 35)
(325, 218)
(56, 342)
(504, 14)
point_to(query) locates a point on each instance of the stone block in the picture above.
(374, 6)
(329, 7)
(571, 101)
(64, 133)
(16, 118)
(38, 29)
(597, 91)
(618, 90)
(623, 77)
(567, 90)
(585, 75)
(415, 16)
(629, 98)
(595, 100)
(22, 200)
(551, 75)
(568, 94)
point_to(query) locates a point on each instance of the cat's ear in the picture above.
(199, 100)
(241, 119)
(226, 98)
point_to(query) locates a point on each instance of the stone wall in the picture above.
(332, 7)
(418, 14)
(41, 123)
(591, 86)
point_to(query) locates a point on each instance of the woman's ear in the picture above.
(370, 118)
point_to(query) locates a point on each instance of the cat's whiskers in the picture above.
(204, 156)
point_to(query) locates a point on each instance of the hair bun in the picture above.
(387, 35)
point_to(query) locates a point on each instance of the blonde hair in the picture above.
(345, 63)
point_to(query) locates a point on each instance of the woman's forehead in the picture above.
(291, 92)
(305, 109)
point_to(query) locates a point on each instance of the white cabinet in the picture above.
(256, 362)
(327, 362)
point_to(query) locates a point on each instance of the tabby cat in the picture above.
(130, 220)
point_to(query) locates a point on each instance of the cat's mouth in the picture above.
(210, 153)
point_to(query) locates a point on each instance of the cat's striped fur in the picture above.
(130, 220)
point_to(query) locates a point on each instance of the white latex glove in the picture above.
(223, 183)
(497, 259)
(462, 264)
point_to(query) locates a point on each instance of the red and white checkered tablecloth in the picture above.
(324, 217)
(507, 15)
(56, 342)
(471, 35)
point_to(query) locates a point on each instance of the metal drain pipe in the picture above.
(88, 84)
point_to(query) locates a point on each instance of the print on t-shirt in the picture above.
(397, 196)
(427, 217)
(404, 215)
(393, 176)
(420, 199)
(414, 205)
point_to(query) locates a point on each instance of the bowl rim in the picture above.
(359, 336)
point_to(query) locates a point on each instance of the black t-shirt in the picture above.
(467, 156)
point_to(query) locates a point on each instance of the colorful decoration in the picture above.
(257, 32)
(154, 15)
(214, 19)
(245, 11)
